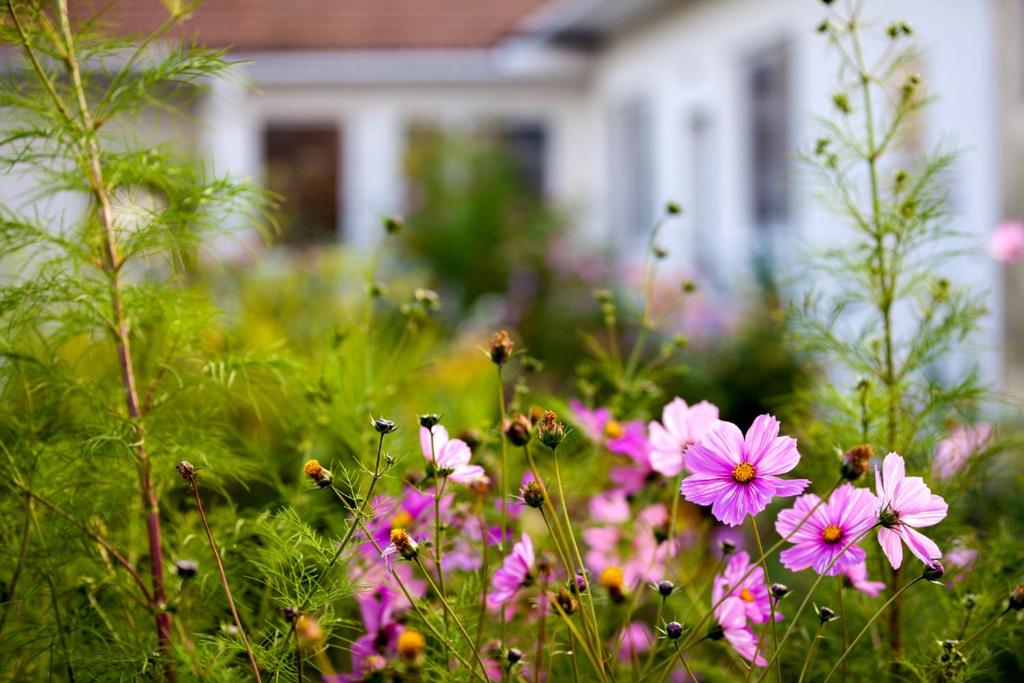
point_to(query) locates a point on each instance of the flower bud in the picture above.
(856, 461)
(779, 590)
(580, 583)
(318, 473)
(404, 544)
(969, 601)
(410, 645)
(291, 614)
(394, 224)
(429, 420)
(514, 656)
(550, 431)
(1017, 597)
(566, 601)
(674, 630)
(933, 571)
(187, 470)
(384, 426)
(826, 614)
(501, 348)
(517, 430)
(186, 569)
(727, 547)
(665, 588)
(533, 494)
(308, 631)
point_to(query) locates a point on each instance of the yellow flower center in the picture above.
(612, 429)
(399, 536)
(410, 644)
(401, 520)
(831, 534)
(743, 472)
(612, 578)
(746, 595)
(312, 468)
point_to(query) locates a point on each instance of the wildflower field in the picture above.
(305, 468)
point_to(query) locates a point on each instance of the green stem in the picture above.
(771, 605)
(451, 613)
(358, 514)
(589, 594)
(842, 619)
(864, 630)
(504, 488)
(984, 628)
(810, 652)
(807, 600)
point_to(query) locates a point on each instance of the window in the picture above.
(769, 111)
(703, 198)
(526, 144)
(632, 172)
(301, 164)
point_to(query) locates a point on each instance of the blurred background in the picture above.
(532, 144)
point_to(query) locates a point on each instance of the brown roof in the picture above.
(254, 25)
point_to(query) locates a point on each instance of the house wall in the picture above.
(374, 119)
(694, 57)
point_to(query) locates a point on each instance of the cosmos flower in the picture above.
(1007, 242)
(610, 507)
(623, 438)
(639, 551)
(905, 503)
(820, 543)
(382, 630)
(738, 476)
(681, 425)
(954, 452)
(514, 573)
(732, 620)
(856, 576)
(449, 456)
(636, 640)
(751, 592)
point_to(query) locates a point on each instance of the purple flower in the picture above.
(1007, 241)
(751, 592)
(856, 576)
(450, 456)
(905, 503)
(821, 541)
(382, 631)
(513, 574)
(636, 640)
(738, 476)
(681, 425)
(954, 452)
(731, 618)
(624, 438)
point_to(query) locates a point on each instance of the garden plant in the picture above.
(313, 477)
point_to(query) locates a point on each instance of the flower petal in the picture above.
(892, 546)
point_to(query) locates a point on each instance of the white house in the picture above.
(623, 104)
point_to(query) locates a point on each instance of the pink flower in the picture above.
(751, 591)
(636, 640)
(611, 507)
(731, 619)
(681, 425)
(905, 503)
(738, 476)
(820, 543)
(624, 438)
(1007, 242)
(382, 630)
(954, 452)
(513, 574)
(449, 456)
(856, 576)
